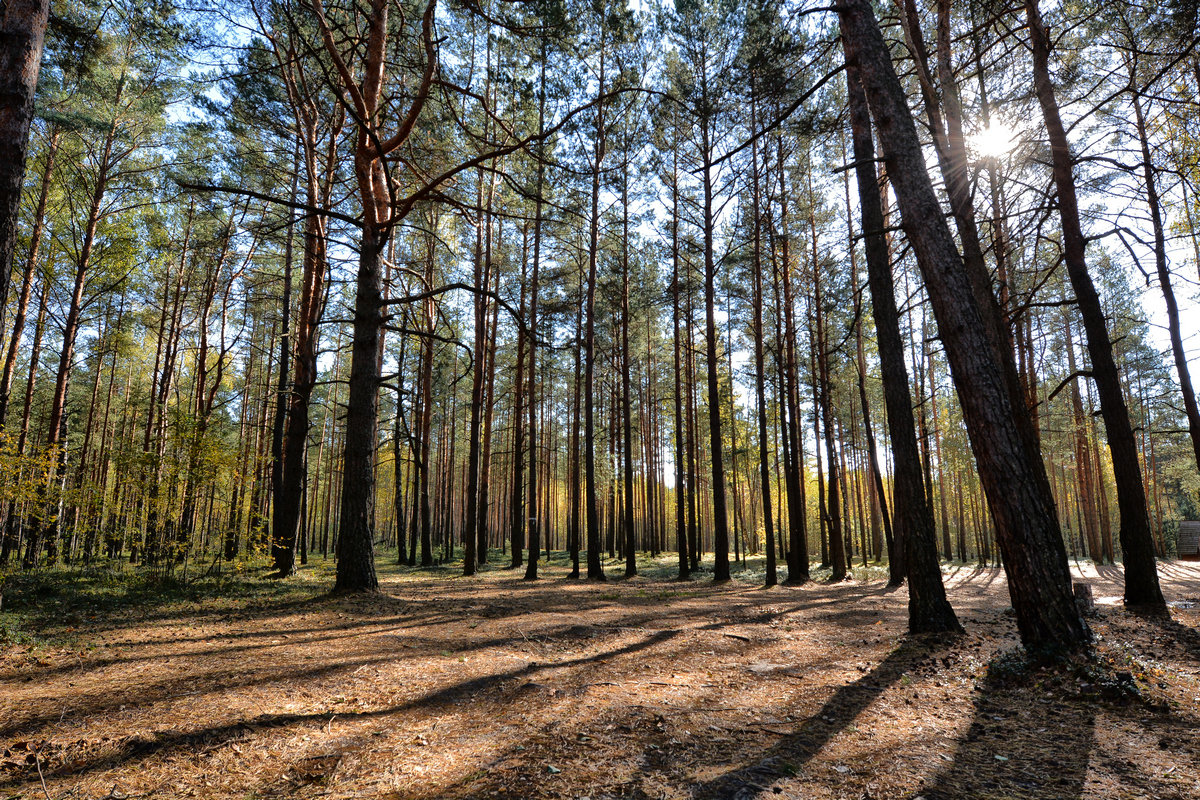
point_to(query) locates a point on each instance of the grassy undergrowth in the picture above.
(48, 606)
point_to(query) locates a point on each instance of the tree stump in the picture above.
(1084, 600)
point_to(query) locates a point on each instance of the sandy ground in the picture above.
(445, 687)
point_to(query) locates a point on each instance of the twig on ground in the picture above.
(37, 759)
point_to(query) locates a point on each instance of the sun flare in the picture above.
(994, 141)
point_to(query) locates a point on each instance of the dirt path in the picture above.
(448, 688)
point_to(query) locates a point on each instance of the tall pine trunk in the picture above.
(22, 30)
(1010, 465)
(1141, 573)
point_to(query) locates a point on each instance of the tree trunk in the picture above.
(1164, 281)
(31, 266)
(22, 30)
(681, 440)
(797, 552)
(630, 543)
(760, 379)
(535, 526)
(1141, 573)
(595, 570)
(355, 541)
(716, 446)
(1009, 463)
(837, 548)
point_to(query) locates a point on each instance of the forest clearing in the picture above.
(645, 688)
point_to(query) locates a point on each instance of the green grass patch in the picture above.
(51, 606)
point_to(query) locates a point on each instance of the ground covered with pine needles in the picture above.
(113, 686)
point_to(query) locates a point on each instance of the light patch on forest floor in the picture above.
(446, 687)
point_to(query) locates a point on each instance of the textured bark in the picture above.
(1010, 466)
(912, 520)
(595, 571)
(797, 551)
(31, 266)
(1141, 573)
(285, 511)
(1083, 455)
(574, 524)
(681, 531)
(22, 30)
(760, 378)
(535, 527)
(630, 543)
(491, 276)
(355, 541)
(516, 531)
(363, 88)
(478, 360)
(833, 510)
(716, 446)
(426, 428)
(1186, 390)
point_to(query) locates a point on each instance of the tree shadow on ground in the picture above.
(795, 750)
(144, 745)
(1183, 636)
(1026, 739)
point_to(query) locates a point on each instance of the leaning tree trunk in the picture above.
(1186, 390)
(1141, 573)
(1009, 463)
(913, 528)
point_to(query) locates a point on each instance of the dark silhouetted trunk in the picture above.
(22, 30)
(915, 548)
(1008, 459)
(1141, 573)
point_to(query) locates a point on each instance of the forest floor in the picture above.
(445, 687)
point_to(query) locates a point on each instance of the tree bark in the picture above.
(31, 266)
(1164, 281)
(22, 31)
(355, 549)
(1009, 462)
(595, 570)
(760, 379)
(1141, 573)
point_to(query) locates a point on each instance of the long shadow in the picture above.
(1185, 636)
(791, 753)
(419, 618)
(1025, 740)
(340, 632)
(137, 748)
(1111, 572)
(968, 584)
(209, 682)
(217, 680)
(201, 684)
